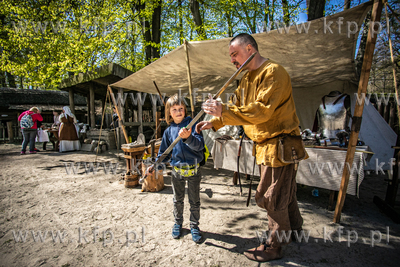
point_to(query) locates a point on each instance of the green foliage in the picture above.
(43, 41)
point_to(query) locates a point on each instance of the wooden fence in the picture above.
(388, 111)
(16, 133)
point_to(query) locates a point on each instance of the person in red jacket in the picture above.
(29, 134)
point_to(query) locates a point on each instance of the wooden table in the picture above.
(323, 169)
(132, 155)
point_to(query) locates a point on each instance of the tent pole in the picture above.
(358, 111)
(391, 55)
(119, 115)
(189, 77)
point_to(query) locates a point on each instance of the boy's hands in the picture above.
(185, 133)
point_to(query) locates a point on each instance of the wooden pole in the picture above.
(92, 108)
(189, 78)
(140, 115)
(158, 121)
(119, 115)
(358, 111)
(88, 108)
(392, 57)
(120, 105)
(159, 93)
(71, 100)
(154, 111)
(10, 131)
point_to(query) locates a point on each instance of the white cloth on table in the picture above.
(323, 168)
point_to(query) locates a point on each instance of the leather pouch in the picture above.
(291, 149)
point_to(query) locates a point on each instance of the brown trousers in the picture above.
(276, 193)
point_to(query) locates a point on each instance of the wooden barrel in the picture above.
(131, 181)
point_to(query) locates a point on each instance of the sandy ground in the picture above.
(37, 194)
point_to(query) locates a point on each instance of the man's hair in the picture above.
(172, 101)
(245, 39)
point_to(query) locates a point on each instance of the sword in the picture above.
(197, 117)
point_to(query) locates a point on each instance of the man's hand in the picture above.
(212, 107)
(185, 133)
(204, 125)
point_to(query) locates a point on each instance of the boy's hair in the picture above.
(172, 101)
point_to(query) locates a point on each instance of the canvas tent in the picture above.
(319, 61)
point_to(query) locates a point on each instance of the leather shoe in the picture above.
(268, 254)
(261, 247)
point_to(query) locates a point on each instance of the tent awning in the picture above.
(324, 54)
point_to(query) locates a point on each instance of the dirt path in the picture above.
(37, 194)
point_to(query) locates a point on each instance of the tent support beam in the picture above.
(119, 115)
(358, 111)
(189, 77)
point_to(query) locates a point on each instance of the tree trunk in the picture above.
(195, 9)
(156, 33)
(21, 82)
(140, 8)
(347, 4)
(271, 16)
(11, 80)
(2, 79)
(316, 9)
(229, 21)
(180, 22)
(266, 14)
(286, 15)
(249, 23)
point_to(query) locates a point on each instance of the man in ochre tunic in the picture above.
(263, 103)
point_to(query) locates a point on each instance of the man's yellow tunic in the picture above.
(265, 107)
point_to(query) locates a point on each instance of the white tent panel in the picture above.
(378, 135)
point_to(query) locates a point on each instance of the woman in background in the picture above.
(68, 135)
(28, 121)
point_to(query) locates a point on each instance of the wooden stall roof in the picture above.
(100, 78)
(14, 98)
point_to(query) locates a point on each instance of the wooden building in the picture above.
(139, 111)
(15, 101)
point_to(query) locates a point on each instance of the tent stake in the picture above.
(358, 111)
(189, 77)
